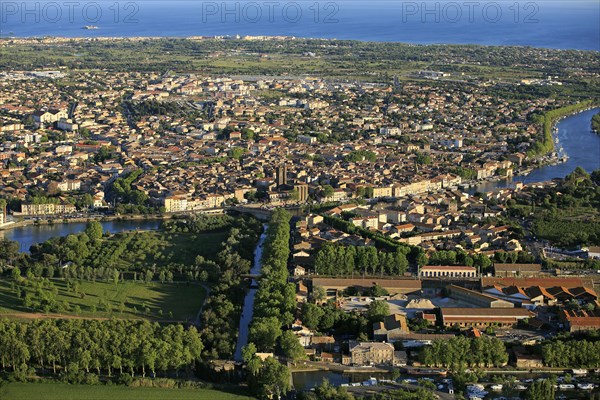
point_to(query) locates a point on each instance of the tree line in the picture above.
(460, 352)
(275, 300)
(546, 145)
(338, 260)
(274, 307)
(512, 257)
(221, 313)
(459, 257)
(572, 354)
(197, 223)
(77, 347)
(415, 254)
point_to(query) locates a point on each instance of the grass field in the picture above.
(129, 252)
(61, 391)
(182, 300)
(363, 61)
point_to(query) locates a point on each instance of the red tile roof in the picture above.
(528, 282)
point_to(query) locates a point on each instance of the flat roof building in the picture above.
(371, 353)
(447, 271)
(515, 270)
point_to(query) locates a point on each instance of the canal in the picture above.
(248, 310)
(306, 380)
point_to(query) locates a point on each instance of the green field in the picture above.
(61, 391)
(181, 299)
(90, 291)
(370, 61)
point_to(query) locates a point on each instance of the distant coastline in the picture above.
(579, 22)
(58, 38)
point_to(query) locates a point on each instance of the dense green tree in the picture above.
(101, 345)
(378, 291)
(291, 347)
(423, 159)
(237, 152)
(318, 294)
(275, 300)
(273, 379)
(265, 332)
(327, 191)
(540, 390)
(9, 250)
(248, 352)
(311, 315)
(460, 352)
(561, 353)
(360, 155)
(378, 310)
(338, 260)
(327, 391)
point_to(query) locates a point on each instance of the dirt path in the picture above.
(52, 316)
(206, 295)
(66, 316)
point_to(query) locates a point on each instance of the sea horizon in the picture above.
(543, 24)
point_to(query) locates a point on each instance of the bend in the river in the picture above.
(577, 140)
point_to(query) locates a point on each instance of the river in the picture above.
(578, 141)
(248, 309)
(33, 234)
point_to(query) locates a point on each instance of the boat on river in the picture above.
(426, 371)
(585, 386)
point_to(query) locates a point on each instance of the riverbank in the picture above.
(312, 366)
(98, 217)
(596, 123)
(28, 233)
(552, 158)
(579, 142)
(305, 378)
(549, 121)
(248, 309)
(79, 220)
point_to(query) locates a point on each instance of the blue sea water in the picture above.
(546, 23)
